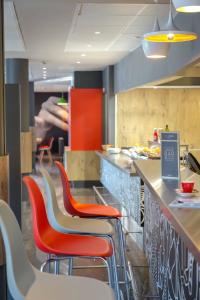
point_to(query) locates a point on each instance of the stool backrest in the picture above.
(69, 201)
(53, 210)
(40, 222)
(20, 274)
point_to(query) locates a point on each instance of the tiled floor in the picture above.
(134, 253)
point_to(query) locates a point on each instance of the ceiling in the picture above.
(63, 34)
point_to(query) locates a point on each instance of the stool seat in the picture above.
(74, 245)
(96, 210)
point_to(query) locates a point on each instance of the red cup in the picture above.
(187, 186)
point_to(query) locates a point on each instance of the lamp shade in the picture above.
(170, 34)
(62, 101)
(187, 6)
(155, 50)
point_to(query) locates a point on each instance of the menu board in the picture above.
(170, 155)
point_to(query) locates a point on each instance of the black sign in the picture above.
(170, 155)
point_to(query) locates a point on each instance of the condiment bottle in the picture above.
(166, 128)
(155, 135)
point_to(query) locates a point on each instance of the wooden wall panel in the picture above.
(26, 152)
(140, 110)
(82, 165)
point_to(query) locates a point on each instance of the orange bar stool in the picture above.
(46, 148)
(87, 210)
(67, 224)
(62, 245)
(27, 283)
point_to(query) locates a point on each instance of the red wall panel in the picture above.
(85, 119)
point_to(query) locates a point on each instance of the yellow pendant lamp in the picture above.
(155, 50)
(187, 6)
(170, 34)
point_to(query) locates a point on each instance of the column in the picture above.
(17, 73)
(3, 156)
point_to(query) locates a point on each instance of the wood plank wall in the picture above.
(140, 110)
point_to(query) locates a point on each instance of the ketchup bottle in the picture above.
(155, 135)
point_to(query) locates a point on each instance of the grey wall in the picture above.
(109, 106)
(88, 79)
(136, 70)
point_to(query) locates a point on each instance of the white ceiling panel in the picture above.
(144, 21)
(106, 20)
(59, 32)
(14, 40)
(156, 10)
(125, 42)
(111, 9)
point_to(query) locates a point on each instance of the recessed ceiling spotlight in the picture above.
(44, 72)
(78, 62)
(83, 55)
(89, 45)
(97, 32)
(44, 68)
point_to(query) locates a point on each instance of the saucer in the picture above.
(186, 195)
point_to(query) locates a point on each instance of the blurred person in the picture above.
(51, 115)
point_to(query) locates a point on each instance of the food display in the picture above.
(151, 152)
(142, 152)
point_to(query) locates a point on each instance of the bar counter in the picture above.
(171, 235)
(118, 175)
(186, 221)
(120, 161)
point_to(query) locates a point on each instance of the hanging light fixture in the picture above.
(62, 101)
(155, 50)
(187, 6)
(171, 33)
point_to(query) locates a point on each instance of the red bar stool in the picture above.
(46, 148)
(68, 245)
(87, 210)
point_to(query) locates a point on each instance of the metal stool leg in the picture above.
(114, 270)
(56, 267)
(125, 265)
(120, 260)
(70, 266)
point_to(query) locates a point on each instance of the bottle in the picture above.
(155, 135)
(166, 128)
